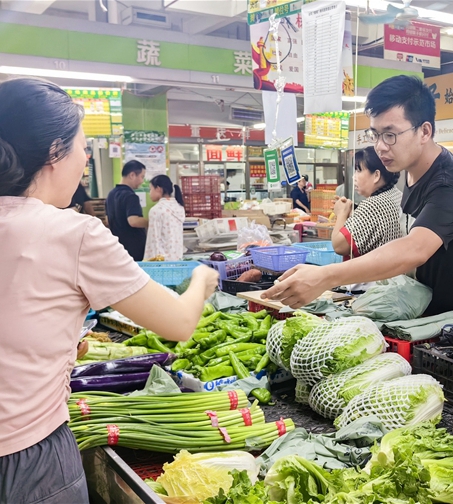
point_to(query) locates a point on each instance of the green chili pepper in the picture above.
(191, 352)
(266, 323)
(252, 362)
(235, 347)
(197, 361)
(211, 352)
(214, 339)
(259, 315)
(217, 361)
(180, 364)
(206, 321)
(263, 395)
(272, 368)
(264, 362)
(198, 336)
(154, 343)
(215, 372)
(184, 345)
(208, 309)
(251, 322)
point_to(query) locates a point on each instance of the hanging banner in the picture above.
(323, 35)
(346, 58)
(272, 162)
(289, 162)
(416, 43)
(262, 10)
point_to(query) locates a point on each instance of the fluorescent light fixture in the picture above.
(439, 16)
(355, 111)
(351, 99)
(64, 74)
(259, 126)
(300, 119)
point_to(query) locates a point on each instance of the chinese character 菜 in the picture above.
(242, 62)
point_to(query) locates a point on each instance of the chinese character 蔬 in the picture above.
(243, 62)
(148, 52)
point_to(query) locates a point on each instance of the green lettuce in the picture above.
(296, 328)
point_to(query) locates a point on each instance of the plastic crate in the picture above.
(433, 362)
(169, 272)
(256, 307)
(217, 227)
(405, 348)
(203, 184)
(233, 286)
(324, 232)
(230, 269)
(278, 258)
(276, 208)
(321, 200)
(321, 253)
(207, 206)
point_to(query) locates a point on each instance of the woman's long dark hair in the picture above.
(367, 158)
(38, 123)
(167, 187)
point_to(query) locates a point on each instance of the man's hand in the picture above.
(208, 276)
(298, 286)
(82, 349)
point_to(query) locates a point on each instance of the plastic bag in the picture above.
(254, 234)
(399, 298)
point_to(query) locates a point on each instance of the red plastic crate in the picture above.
(203, 184)
(256, 307)
(405, 348)
(208, 206)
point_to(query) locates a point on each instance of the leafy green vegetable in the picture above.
(242, 492)
(441, 484)
(295, 329)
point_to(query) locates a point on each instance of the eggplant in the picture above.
(217, 256)
(136, 364)
(119, 383)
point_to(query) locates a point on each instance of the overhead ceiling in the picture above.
(219, 18)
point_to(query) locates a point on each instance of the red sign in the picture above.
(214, 152)
(416, 43)
(234, 153)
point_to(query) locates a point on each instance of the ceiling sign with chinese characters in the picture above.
(103, 111)
(327, 130)
(231, 153)
(416, 43)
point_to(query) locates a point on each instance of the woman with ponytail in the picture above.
(166, 219)
(54, 265)
(376, 220)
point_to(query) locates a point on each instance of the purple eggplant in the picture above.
(136, 364)
(110, 383)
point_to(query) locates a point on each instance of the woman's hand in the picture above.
(342, 207)
(208, 276)
(82, 349)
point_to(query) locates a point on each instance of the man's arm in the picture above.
(136, 221)
(300, 285)
(305, 209)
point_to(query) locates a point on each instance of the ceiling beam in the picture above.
(202, 25)
(30, 6)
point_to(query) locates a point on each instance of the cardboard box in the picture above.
(253, 215)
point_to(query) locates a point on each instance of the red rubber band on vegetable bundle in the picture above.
(234, 400)
(225, 435)
(83, 406)
(113, 434)
(245, 412)
(214, 419)
(281, 427)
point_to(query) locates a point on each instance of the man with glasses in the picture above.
(401, 111)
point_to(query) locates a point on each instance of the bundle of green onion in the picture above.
(197, 422)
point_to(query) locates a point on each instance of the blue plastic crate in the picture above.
(169, 272)
(230, 269)
(278, 258)
(90, 315)
(321, 253)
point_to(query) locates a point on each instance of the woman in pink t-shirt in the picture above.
(54, 265)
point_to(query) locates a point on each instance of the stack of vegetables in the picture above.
(411, 465)
(342, 373)
(171, 422)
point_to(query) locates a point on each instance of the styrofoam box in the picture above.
(276, 208)
(189, 381)
(216, 227)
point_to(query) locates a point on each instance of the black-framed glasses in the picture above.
(388, 138)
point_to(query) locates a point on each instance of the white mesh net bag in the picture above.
(334, 347)
(397, 403)
(274, 343)
(331, 395)
(302, 392)
(282, 336)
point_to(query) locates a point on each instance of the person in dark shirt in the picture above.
(402, 111)
(124, 212)
(299, 196)
(80, 201)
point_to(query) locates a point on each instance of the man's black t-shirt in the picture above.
(430, 202)
(121, 203)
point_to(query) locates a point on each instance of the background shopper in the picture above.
(55, 265)
(376, 220)
(124, 212)
(166, 219)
